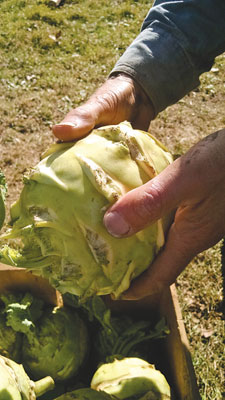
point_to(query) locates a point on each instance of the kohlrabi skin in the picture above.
(130, 377)
(59, 215)
(15, 384)
(57, 346)
(86, 394)
(55, 340)
(10, 341)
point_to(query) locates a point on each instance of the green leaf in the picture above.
(22, 311)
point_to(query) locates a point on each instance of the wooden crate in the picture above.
(174, 359)
(174, 353)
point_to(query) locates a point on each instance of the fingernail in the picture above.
(116, 225)
(67, 123)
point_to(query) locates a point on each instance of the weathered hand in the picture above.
(119, 98)
(194, 185)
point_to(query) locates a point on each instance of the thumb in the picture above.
(188, 181)
(146, 204)
(194, 186)
(77, 123)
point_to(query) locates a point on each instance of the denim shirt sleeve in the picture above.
(179, 40)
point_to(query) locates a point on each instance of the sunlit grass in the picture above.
(201, 289)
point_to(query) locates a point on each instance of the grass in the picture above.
(201, 295)
(52, 59)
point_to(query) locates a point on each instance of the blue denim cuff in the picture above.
(178, 42)
(160, 66)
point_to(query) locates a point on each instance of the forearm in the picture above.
(178, 42)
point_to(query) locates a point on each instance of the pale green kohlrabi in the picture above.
(15, 384)
(131, 377)
(59, 215)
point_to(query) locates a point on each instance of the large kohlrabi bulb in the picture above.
(59, 215)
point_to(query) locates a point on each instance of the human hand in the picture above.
(194, 185)
(120, 98)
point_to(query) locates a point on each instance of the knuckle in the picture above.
(149, 206)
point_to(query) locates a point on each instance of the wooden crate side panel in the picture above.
(12, 279)
(180, 362)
